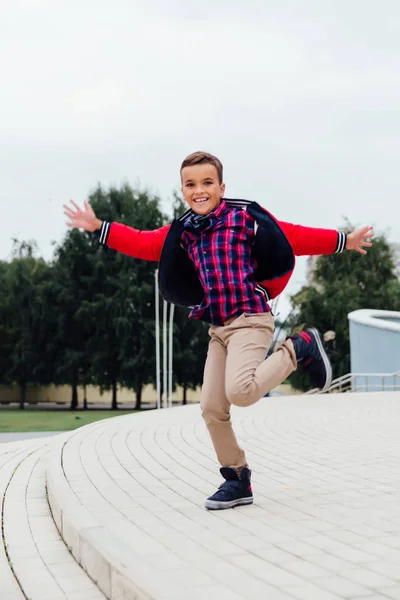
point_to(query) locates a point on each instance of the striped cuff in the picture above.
(104, 232)
(341, 243)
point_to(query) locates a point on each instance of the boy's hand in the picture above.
(359, 239)
(82, 219)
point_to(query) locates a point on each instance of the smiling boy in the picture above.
(225, 259)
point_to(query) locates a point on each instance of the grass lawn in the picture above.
(15, 420)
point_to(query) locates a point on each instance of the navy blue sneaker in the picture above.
(235, 490)
(311, 354)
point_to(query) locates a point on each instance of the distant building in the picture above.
(312, 261)
(378, 330)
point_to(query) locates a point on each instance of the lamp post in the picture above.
(157, 309)
(165, 371)
(171, 335)
(167, 349)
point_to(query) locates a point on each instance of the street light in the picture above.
(157, 308)
(171, 335)
(167, 368)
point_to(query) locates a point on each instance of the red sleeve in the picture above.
(307, 241)
(146, 245)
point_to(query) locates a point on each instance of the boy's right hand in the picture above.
(82, 219)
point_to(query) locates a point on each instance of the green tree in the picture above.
(343, 283)
(190, 351)
(72, 286)
(26, 276)
(6, 333)
(121, 307)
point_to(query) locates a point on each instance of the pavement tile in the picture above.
(368, 578)
(390, 592)
(341, 586)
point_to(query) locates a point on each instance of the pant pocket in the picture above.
(259, 320)
(252, 319)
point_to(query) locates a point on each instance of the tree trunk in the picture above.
(22, 395)
(138, 391)
(114, 405)
(74, 399)
(184, 400)
(84, 398)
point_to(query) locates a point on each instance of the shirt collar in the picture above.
(198, 222)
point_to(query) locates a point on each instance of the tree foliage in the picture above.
(88, 316)
(341, 284)
(24, 359)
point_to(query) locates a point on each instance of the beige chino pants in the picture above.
(236, 372)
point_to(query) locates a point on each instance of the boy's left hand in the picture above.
(359, 239)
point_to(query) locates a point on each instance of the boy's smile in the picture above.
(201, 188)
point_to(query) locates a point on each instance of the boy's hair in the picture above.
(202, 158)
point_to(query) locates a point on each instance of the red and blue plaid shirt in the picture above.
(219, 245)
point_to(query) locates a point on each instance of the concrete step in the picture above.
(11, 456)
(128, 496)
(37, 563)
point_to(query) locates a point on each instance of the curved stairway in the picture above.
(34, 561)
(127, 520)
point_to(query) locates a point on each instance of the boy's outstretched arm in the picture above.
(308, 241)
(146, 245)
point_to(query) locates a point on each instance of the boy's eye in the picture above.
(208, 182)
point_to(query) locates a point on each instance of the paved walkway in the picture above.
(127, 496)
(25, 435)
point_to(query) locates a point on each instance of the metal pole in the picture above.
(171, 335)
(165, 366)
(157, 309)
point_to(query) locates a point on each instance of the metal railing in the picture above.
(363, 382)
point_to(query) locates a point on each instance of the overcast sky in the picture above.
(299, 99)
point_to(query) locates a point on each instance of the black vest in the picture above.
(178, 279)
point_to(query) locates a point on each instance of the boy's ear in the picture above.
(222, 189)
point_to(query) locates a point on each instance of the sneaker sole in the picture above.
(325, 359)
(215, 505)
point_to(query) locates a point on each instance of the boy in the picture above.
(226, 259)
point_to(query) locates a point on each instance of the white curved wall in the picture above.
(374, 341)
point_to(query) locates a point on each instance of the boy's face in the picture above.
(201, 188)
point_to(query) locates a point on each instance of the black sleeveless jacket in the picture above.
(178, 279)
